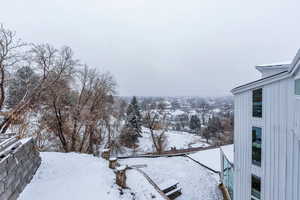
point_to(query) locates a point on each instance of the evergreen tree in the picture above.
(128, 136)
(134, 119)
(133, 124)
(214, 125)
(195, 123)
(22, 83)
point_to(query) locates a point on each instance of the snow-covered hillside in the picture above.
(177, 139)
(72, 176)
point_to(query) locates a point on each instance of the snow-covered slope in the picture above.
(72, 176)
(178, 139)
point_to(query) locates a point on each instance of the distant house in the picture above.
(267, 134)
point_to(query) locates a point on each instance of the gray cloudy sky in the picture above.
(165, 47)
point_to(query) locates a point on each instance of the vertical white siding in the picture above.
(280, 169)
(242, 145)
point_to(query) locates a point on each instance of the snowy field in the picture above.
(197, 183)
(71, 176)
(178, 139)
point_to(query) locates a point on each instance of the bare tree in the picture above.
(97, 107)
(50, 64)
(10, 57)
(158, 125)
(80, 116)
(206, 134)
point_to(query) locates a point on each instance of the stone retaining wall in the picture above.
(17, 168)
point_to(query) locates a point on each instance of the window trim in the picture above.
(253, 197)
(262, 103)
(294, 91)
(261, 136)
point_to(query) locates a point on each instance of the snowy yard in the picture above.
(197, 183)
(178, 139)
(71, 176)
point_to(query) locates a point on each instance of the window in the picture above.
(256, 146)
(228, 174)
(255, 187)
(257, 103)
(297, 87)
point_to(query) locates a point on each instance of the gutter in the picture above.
(261, 82)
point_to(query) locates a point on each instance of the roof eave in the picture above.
(261, 82)
(292, 69)
(295, 63)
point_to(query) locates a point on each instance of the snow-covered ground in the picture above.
(178, 139)
(72, 176)
(197, 182)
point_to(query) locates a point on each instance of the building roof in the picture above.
(254, 83)
(276, 64)
(288, 70)
(228, 150)
(211, 157)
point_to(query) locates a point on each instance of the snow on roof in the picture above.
(275, 64)
(217, 110)
(178, 112)
(228, 150)
(211, 157)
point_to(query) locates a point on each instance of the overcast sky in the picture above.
(165, 47)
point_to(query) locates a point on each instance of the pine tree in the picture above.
(133, 124)
(134, 118)
(23, 82)
(214, 125)
(195, 123)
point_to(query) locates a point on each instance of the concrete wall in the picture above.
(17, 169)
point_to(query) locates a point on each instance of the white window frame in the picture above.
(253, 197)
(262, 105)
(294, 84)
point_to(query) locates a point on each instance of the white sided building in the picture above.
(267, 134)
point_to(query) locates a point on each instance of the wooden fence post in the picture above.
(105, 154)
(121, 176)
(112, 163)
